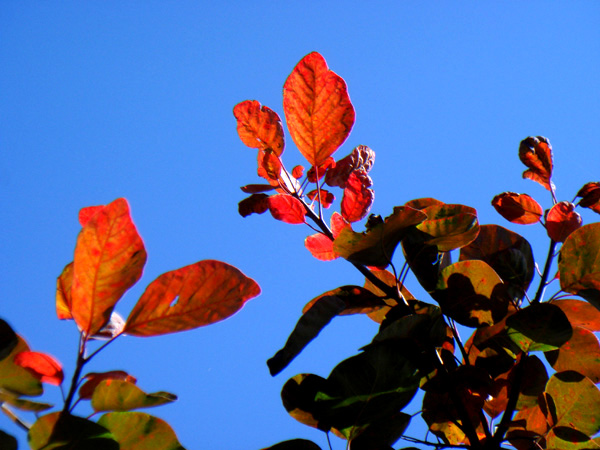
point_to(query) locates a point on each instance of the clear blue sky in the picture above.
(100, 100)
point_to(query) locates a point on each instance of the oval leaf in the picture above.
(42, 366)
(8, 339)
(122, 395)
(317, 109)
(358, 197)
(259, 127)
(581, 353)
(190, 297)
(590, 196)
(562, 220)
(294, 444)
(536, 154)
(63, 293)
(94, 379)
(140, 431)
(286, 208)
(580, 313)
(15, 378)
(540, 326)
(450, 226)
(518, 208)
(109, 259)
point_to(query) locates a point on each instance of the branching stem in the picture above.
(542, 287)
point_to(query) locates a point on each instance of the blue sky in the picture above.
(110, 99)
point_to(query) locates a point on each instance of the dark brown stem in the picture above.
(513, 397)
(76, 374)
(542, 287)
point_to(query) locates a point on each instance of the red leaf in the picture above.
(361, 158)
(85, 214)
(297, 172)
(93, 379)
(536, 154)
(42, 366)
(590, 196)
(109, 259)
(321, 170)
(193, 296)
(358, 198)
(256, 203)
(259, 127)
(320, 246)
(286, 208)
(317, 109)
(326, 197)
(63, 293)
(269, 166)
(561, 221)
(256, 188)
(518, 208)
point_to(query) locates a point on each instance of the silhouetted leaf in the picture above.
(42, 366)
(63, 293)
(536, 154)
(424, 260)
(590, 196)
(382, 434)
(256, 188)
(294, 444)
(579, 263)
(388, 278)
(518, 208)
(375, 247)
(259, 127)
(122, 395)
(317, 109)
(256, 203)
(140, 431)
(472, 293)
(15, 378)
(286, 208)
(193, 296)
(109, 259)
(65, 432)
(94, 379)
(562, 220)
(8, 339)
(7, 442)
(580, 353)
(508, 253)
(449, 226)
(540, 326)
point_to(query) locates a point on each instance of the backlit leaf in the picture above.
(562, 220)
(450, 226)
(508, 253)
(376, 246)
(269, 166)
(93, 379)
(316, 173)
(256, 203)
(536, 154)
(65, 432)
(15, 378)
(539, 326)
(122, 395)
(294, 444)
(109, 259)
(472, 293)
(140, 431)
(8, 339)
(317, 109)
(193, 296)
(85, 214)
(320, 245)
(256, 188)
(518, 208)
(18, 402)
(259, 127)
(590, 196)
(581, 353)
(388, 278)
(286, 208)
(579, 263)
(358, 197)
(42, 366)
(63, 293)
(361, 158)
(325, 197)
(580, 313)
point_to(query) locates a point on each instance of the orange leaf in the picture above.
(561, 221)
(320, 246)
(85, 214)
(321, 170)
(256, 203)
(358, 198)
(297, 172)
(590, 196)
(286, 208)
(536, 154)
(193, 296)
(259, 127)
(109, 259)
(42, 366)
(63, 293)
(269, 166)
(317, 109)
(93, 379)
(517, 208)
(326, 197)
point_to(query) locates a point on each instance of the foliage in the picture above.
(109, 259)
(488, 392)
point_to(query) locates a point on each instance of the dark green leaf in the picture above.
(8, 339)
(381, 435)
(7, 442)
(15, 378)
(294, 444)
(540, 326)
(423, 259)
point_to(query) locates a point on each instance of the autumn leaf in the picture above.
(590, 196)
(518, 208)
(562, 220)
(317, 109)
(326, 198)
(297, 172)
(63, 293)
(286, 208)
(42, 366)
(193, 296)
(8, 339)
(85, 214)
(358, 197)
(93, 379)
(109, 259)
(15, 378)
(123, 395)
(449, 226)
(320, 245)
(536, 154)
(316, 173)
(361, 158)
(259, 127)
(255, 204)
(256, 188)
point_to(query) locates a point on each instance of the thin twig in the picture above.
(542, 287)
